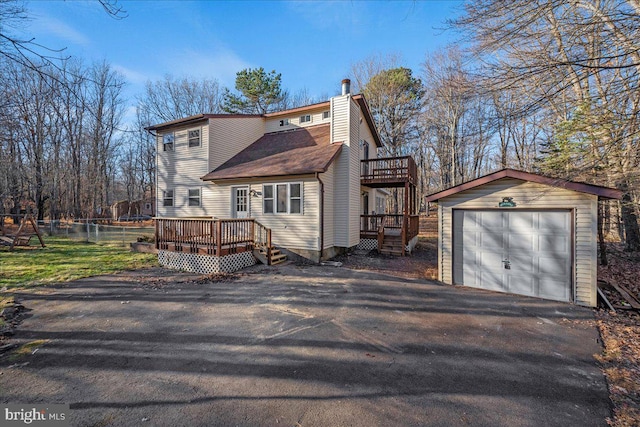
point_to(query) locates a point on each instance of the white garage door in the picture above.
(521, 252)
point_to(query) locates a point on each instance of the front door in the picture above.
(241, 202)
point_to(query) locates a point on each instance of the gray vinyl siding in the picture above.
(229, 136)
(529, 195)
(340, 118)
(354, 175)
(273, 123)
(180, 170)
(329, 206)
(340, 115)
(365, 135)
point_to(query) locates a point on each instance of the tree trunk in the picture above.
(630, 222)
(601, 242)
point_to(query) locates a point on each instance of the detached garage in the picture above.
(522, 233)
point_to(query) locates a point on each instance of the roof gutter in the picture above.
(321, 215)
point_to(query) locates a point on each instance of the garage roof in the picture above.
(600, 191)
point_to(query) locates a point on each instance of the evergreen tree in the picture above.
(259, 92)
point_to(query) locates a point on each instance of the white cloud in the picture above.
(62, 30)
(220, 64)
(132, 76)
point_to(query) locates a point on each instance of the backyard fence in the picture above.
(89, 231)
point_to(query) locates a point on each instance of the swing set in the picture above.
(28, 228)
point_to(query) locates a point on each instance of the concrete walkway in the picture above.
(308, 346)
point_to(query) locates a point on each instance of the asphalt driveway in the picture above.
(308, 346)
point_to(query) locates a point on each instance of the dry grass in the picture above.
(620, 332)
(26, 350)
(620, 362)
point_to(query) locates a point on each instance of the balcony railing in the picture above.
(392, 171)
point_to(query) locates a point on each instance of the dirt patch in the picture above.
(421, 264)
(620, 334)
(621, 338)
(11, 314)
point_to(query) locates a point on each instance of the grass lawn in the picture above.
(63, 260)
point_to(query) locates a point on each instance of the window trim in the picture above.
(165, 197)
(166, 144)
(303, 118)
(274, 198)
(190, 197)
(326, 114)
(265, 199)
(189, 138)
(284, 122)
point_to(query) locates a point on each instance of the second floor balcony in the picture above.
(388, 172)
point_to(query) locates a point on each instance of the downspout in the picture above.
(321, 214)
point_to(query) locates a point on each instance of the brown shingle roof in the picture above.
(297, 152)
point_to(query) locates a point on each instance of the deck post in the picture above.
(218, 238)
(269, 246)
(253, 235)
(405, 216)
(157, 234)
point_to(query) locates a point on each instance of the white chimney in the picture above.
(346, 86)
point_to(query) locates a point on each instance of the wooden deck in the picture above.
(215, 237)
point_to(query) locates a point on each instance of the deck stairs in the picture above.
(392, 245)
(261, 254)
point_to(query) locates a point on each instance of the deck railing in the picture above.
(414, 226)
(373, 226)
(369, 225)
(207, 236)
(388, 170)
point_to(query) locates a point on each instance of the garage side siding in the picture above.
(529, 195)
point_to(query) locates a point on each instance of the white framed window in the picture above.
(194, 138)
(326, 114)
(194, 197)
(295, 198)
(267, 199)
(285, 198)
(305, 119)
(284, 122)
(168, 140)
(167, 198)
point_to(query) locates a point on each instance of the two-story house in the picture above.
(304, 181)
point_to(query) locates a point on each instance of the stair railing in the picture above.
(262, 238)
(380, 236)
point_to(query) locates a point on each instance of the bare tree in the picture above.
(171, 98)
(447, 99)
(577, 62)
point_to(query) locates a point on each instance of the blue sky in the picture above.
(312, 44)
